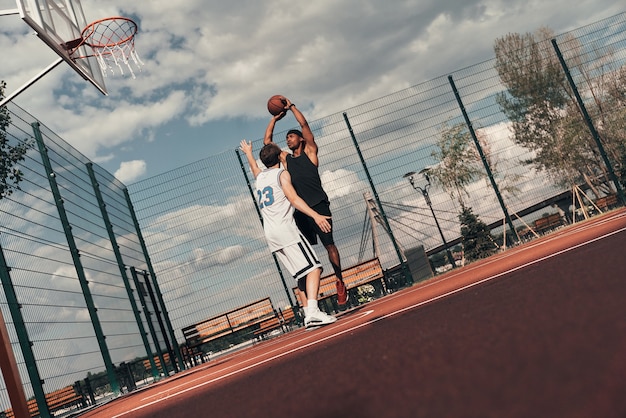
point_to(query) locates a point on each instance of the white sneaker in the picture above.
(317, 319)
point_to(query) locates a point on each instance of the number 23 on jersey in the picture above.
(265, 197)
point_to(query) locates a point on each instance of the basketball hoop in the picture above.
(113, 42)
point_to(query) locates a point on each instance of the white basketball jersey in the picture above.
(278, 223)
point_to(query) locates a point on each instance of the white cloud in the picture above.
(341, 183)
(211, 65)
(130, 170)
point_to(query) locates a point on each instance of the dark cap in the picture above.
(294, 131)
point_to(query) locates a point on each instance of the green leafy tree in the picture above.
(622, 170)
(459, 165)
(476, 237)
(10, 155)
(459, 162)
(613, 126)
(544, 114)
(604, 84)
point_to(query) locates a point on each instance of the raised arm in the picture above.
(310, 146)
(269, 131)
(246, 147)
(297, 202)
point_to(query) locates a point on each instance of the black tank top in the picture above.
(306, 180)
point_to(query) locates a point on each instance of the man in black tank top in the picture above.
(302, 164)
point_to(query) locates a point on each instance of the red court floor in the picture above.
(537, 331)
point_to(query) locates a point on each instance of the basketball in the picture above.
(276, 104)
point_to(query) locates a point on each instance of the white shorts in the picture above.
(299, 258)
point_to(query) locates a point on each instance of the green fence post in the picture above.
(468, 122)
(590, 126)
(159, 295)
(80, 271)
(147, 314)
(405, 268)
(22, 336)
(118, 255)
(157, 313)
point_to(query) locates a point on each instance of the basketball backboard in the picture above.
(58, 22)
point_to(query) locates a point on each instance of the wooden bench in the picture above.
(548, 222)
(267, 326)
(157, 362)
(247, 317)
(59, 399)
(606, 202)
(353, 277)
(288, 317)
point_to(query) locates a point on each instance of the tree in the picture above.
(459, 165)
(10, 155)
(459, 162)
(544, 114)
(476, 237)
(604, 84)
(622, 171)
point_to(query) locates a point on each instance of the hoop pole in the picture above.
(11, 373)
(9, 12)
(31, 82)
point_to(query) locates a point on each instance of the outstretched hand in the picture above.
(287, 102)
(245, 146)
(279, 116)
(285, 109)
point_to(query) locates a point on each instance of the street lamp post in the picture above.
(424, 190)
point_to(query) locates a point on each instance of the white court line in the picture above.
(361, 314)
(281, 346)
(407, 308)
(515, 251)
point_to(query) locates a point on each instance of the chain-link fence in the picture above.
(206, 238)
(72, 261)
(528, 141)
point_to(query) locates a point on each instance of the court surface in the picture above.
(538, 331)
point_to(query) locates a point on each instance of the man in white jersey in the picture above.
(277, 199)
(303, 166)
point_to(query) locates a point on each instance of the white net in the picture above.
(113, 42)
(117, 56)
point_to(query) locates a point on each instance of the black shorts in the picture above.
(309, 228)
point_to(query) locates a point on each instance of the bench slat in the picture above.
(230, 322)
(353, 277)
(61, 398)
(548, 222)
(268, 325)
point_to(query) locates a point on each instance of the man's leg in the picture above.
(303, 297)
(302, 288)
(313, 316)
(335, 261)
(313, 284)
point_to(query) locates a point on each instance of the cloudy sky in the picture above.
(209, 66)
